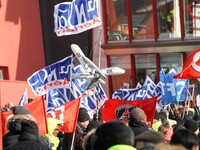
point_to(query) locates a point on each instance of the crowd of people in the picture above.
(174, 128)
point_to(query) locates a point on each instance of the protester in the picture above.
(156, 122)
(148, 139)
(89, 139)
(7, 107)
(28, 138)
(186, 138)
(138, 121)
(53, 130)
(93, 125)
(83, 121)
(164, 146)
(192, 125)
(21, 113)
(113, 133)
(167, 130)
(164, 115)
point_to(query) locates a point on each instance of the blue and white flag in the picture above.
(55, 83)
(76, 16)
(93, 98)
(54, 76)
(24, 98)
(173, 90)
(138, 85)
(130, 94)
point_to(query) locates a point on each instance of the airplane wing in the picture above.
(87, 64)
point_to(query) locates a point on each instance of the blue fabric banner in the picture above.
(76, 16)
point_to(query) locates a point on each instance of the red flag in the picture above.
(5, 116)
(38, 111)
(115, 109)
(68, 113)
(191, 68)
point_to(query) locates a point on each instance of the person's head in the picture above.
(53, 126)
(192, 125)
(20, 110)
(167, 130)
(113, 133)
(148, 139)
(164, 146)
(83, 117)
(137, 114)
(19, 113)
(186, 138)
(9, 105)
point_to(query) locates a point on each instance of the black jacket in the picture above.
(138, 127)
(28, 142)
(67, 138)
(11, 138)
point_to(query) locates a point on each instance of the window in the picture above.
(192, 18)
(168, 19)
(175, 61)
(142, 19)
(4, 73)
(145, 65)
(132, 20)
(124, 63)
(116, 20)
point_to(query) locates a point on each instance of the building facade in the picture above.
(141, 37)
(146, 36)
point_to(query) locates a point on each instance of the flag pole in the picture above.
(193, 101)
(72, 144)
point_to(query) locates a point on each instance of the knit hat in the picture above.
(20, 110)
(83, 115)
(137, 114)
(28, 126)
(191, 125)
(112, 133)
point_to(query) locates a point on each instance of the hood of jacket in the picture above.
(122, 147)
(52, 123)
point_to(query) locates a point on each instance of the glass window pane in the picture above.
(1, 74)
(116, 16)
(168, 19)
(192, 18)
(124, 63)
(145, 65)
(142, 19)
(168, 61)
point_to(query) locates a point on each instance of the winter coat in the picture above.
(14, 126)
(78, 140)
(28, 141)
(52, 140)
(122, 147)
(138, 127)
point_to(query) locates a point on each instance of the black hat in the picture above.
(20, 110)
(113, 133)
(29, 126)
(191, 125)
(83, 115)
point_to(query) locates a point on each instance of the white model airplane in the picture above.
(91, 70)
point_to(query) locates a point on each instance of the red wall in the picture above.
(21, 48)
(12, 91)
